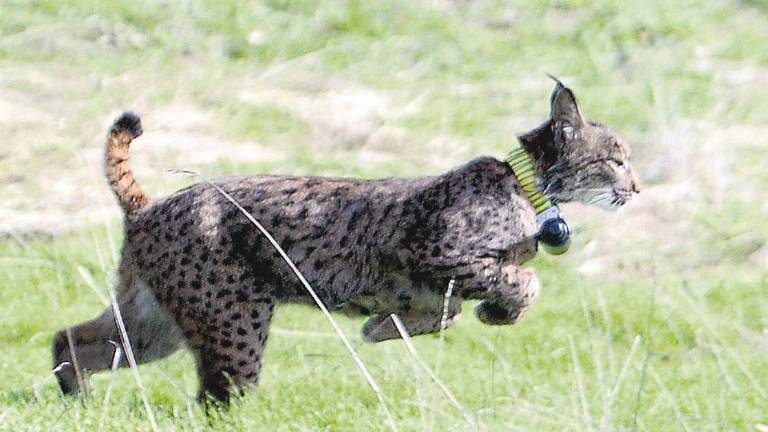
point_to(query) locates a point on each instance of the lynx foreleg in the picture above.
(513, 290)
(380, 327)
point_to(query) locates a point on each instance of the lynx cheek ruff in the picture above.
(554, 232)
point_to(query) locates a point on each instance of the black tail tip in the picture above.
(128, 122)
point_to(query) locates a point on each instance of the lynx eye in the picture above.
(617, 163)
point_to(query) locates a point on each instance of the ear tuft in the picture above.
(555, 79)
(565, 112)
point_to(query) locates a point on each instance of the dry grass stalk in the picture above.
(617, 385)
(187, 399)
(446, 303)
(412, 350)
(444, 323)
(78, 373)
(614, 391)
(132, 363)
(670, 398)
(115, 364)
(91, 282)
(580, 383)
(753, 380)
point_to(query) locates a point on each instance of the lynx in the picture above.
(195, 273)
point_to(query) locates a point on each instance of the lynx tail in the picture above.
(118, 171)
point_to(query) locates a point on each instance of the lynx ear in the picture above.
(540, 144)
(565, 113)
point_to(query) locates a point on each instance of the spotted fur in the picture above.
(194, 271)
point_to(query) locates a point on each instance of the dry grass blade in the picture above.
(81, 384)
(444, 323)
(643, 374)
(187, 400)
(315, 297)
(670, 398)
(446, 303)
(508, 369)
(115, 363)
(91, 282)
(751, 379)
(648, 353)
(580, 383)
(412, 350)
(623, 372)
(132, 363)
(614, 391)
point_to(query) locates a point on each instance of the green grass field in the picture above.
(656, 320)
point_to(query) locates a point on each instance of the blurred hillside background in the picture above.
(657, 319)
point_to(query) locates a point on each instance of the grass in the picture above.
(655, 321)
(692, 368)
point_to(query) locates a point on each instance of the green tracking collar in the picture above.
(554, 232)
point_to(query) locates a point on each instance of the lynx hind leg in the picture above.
(151, 333)
(228, 343)
(510, 298)
(380, 328)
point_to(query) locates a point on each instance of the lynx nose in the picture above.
(634, 184)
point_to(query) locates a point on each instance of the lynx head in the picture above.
(578, 159)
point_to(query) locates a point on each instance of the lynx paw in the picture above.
(508, 302)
